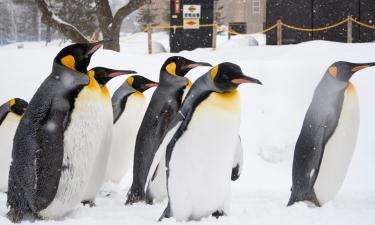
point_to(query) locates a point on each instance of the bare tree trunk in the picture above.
(109, 24)
(63, 27)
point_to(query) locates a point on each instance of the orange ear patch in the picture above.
(213, 72)
(358, 68)
(171, 68)
(12, 102)
(69, 62)
(130, 81)
(333, 71)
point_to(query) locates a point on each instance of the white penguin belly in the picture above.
(81, 141)
(157, 188)
(124, 136)
(339, 149)
(99, 168)
(7, 130)
(201, 162)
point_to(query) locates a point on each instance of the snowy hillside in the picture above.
(272, 117)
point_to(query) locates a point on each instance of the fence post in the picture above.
(279, 33)
(149, 38)
(214, 32)
(350, 30)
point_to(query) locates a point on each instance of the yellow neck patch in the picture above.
(92, 83)
(214, 72)
(189, 83)
(69, 62)
(130, 81)
(171, 68)
(12, 102)
(350, 88)
(333, 71)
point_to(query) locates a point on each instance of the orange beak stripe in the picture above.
(358, 68)
(240, 81)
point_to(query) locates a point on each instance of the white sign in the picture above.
(192, 11)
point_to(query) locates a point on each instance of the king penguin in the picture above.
(51, 146)
(99, 76)
(10, 116)
(328, 137)
(129, 106)
(163, 106)
(200, 145)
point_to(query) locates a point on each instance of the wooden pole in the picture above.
(350, 30)
(228, 31)
(149, 38)
(279, 33)
(214, 32)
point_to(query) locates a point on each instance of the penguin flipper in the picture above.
(308, 156)
(166, 213)
(238, 161)
(50, 138)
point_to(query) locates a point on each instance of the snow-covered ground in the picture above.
(272, 117)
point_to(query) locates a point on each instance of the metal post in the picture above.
(149, 38)
(350, 30)
(279, 33)
(214, 31)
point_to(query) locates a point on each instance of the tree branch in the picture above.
(65, 28)
(104, 15)
(124, 12)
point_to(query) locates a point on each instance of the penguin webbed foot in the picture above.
(218, 213)
(15, 215)
(149, 200)
(310, 198)
(134, 197)
(89, 202)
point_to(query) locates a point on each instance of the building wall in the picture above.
(253, 12)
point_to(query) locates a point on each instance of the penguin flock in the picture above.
(184, 146)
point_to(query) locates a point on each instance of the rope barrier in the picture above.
(315, 29)
(265, 30)
(273, 27)
(362, 24)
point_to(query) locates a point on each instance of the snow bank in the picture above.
(272, 117)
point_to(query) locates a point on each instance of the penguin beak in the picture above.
(246, 79)
(117, 73)
(196, 64)
(359, 67)
(93, 47)
(150, 85)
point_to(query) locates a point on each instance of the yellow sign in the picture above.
(191, 23)
(191, 8)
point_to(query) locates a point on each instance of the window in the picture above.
(256, 7)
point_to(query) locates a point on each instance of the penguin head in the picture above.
(343, 71)
(180, 66)
(102, 75)
(18, 106)
(140, 83)
(77, 56)
(228, 76)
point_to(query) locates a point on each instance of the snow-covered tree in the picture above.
(80, 13)
(109, 22)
